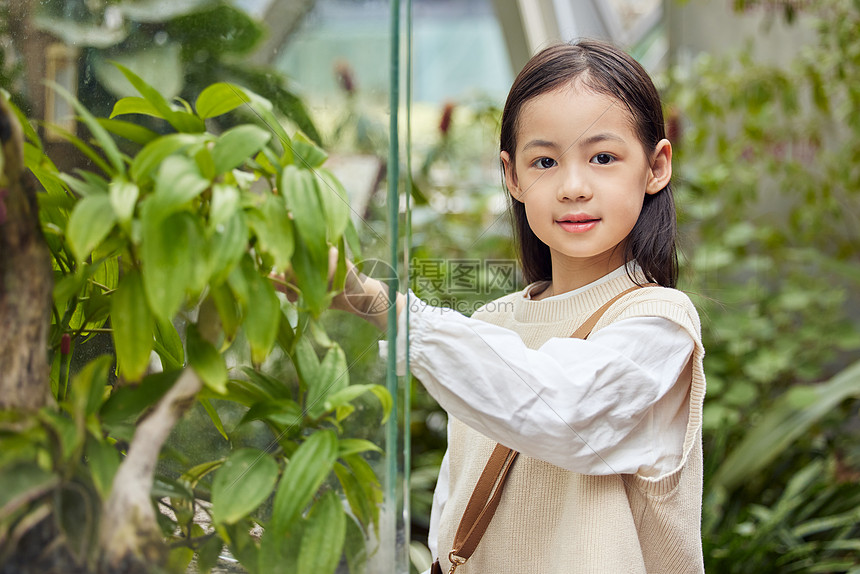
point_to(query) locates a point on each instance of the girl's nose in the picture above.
(573, 187)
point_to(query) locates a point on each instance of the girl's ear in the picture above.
(661, 167)
(510, 176)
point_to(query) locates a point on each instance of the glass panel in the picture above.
(191, 169)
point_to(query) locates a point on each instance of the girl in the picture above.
(609, 478)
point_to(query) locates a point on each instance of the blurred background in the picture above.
(762, 103)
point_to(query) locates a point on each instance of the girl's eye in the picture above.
(602, 159)
(545, 163)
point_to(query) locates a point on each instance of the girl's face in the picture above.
(582, 174)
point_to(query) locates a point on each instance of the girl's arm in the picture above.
(613, 404)
(616, 403)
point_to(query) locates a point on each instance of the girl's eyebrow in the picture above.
(601, 137)
(596, 138)
(540, 143)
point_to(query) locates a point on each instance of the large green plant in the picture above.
(171, 249)
(768, 192)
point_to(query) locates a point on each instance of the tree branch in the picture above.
(26, 279)
(130, 538)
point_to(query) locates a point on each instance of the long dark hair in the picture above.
(607, 70)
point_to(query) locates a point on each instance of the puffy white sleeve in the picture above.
(615, 403)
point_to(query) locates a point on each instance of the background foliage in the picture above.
(769, 192)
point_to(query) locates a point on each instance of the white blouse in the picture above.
(616, 403)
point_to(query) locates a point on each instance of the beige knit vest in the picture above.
(554, 521)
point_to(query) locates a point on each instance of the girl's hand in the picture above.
(363, 296)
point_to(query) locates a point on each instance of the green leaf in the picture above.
(158, 63)
(30, 133)
(103, 462)
(181, 121)
(83, 187)
(90, 222)
(128, 402)
(178, 182)
(356, 496)
(281, 554)
(348, 446)
(237, 145)
(223, 29)
(70, 434)
(352, 240)
(323, 537)
(331, 378)
(155, 152)
(790, 416)
(285, 413)
(128, 130)
(91, 154)
(77, 520)
(123, 198)
(242, 483)
(228, 309)
(179, 558)
(171, 259)
(228, 243)
(306, 153)
(306, 361)
(205, 163)
(286, 333)
(180, 490)
(224, 203)
(168, 345)
(311, 271)
(369, 483)
(133, 324)
(268, 386)
(101, 135)
(264, 110)
(274, 230)
(88, 387)
(206, 361)
(385, 400)
(299, 188)
(306, 471)
(22, 484)
(335, 203)
(350, 393)
(238, 280)
(208, 554)
(262, 314)
(196, 473)
(219, 99)
(135, 105)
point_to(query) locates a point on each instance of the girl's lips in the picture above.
(578, 224)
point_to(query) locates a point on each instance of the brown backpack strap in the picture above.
(488, 490)
(584, 330)
(482, 504)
